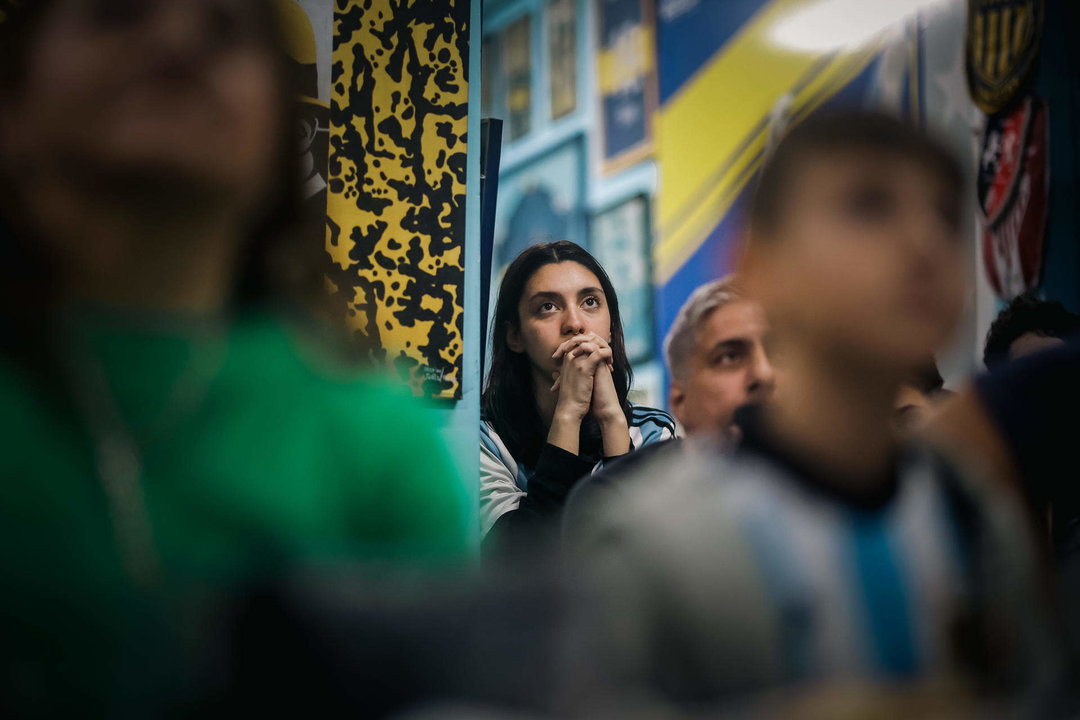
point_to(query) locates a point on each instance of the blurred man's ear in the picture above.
(513, 340)
(677, 400)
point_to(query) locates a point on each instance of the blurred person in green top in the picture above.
(171, 428)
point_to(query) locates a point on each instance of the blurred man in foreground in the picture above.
(823, 551)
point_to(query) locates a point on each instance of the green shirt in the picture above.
(256, 453)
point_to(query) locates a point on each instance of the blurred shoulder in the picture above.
(669, 549)
(285, 360)
(697, 492)
(656, 494)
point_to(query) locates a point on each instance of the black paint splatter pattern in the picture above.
(396, 206)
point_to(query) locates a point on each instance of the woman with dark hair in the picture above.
(173, 426)
(555, 404)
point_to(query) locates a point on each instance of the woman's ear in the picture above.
(513, 340)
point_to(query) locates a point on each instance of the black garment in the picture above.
(533, 524)
(1035, 404)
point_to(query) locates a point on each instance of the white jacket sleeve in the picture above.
(499, 491)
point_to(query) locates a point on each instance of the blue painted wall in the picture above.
(460, 424)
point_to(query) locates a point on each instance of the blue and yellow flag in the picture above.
(731, 77)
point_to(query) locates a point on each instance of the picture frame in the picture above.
(620, 240)
(626, 80)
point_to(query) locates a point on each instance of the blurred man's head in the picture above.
(716, 355)
(1027, 326)
(855, 246)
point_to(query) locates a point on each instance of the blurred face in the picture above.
(183, 92)
(867, 259)
(728, 368)
(560, 300)
(1031, 343)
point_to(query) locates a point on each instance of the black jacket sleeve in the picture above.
(537, 516)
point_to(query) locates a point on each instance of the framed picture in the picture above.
(562, 51)
(620, 242)
(516, 54)
(540, 202)
(626, 77)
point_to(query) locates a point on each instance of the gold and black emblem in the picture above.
(1002, 49)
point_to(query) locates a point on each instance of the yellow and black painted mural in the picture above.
(396, 201)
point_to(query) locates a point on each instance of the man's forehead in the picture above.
(881, 165)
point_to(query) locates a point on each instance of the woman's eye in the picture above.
(592, 302)
(547, 307)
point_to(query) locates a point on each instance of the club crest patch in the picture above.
(1012, 187)
(1002, 49)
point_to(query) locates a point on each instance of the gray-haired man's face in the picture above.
(727, 368)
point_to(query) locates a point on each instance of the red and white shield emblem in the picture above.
(1012, 187)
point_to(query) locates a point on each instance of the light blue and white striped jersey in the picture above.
(504, 481)
(728, 574)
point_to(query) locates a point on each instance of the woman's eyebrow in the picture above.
(590, 291)
(545, 295)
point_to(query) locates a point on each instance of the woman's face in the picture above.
(560, 300)
(181, 92)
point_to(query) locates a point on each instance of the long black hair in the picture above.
(509, 399)
(279, 261)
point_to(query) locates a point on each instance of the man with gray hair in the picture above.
(715, 352)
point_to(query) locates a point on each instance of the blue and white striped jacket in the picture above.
(760, 580)
(504, 481)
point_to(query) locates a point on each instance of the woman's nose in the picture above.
(573, 323)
